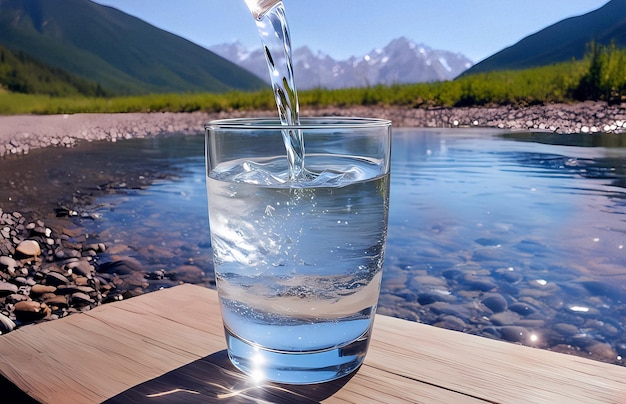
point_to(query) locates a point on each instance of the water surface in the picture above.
(514, 236)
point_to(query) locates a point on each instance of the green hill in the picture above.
(123, 54)
(22, 73)
(561, 42)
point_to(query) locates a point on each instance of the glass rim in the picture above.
(306, 123)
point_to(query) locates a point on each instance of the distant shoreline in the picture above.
(21, 133)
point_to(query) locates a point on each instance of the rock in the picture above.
(432, 297)
(566, 330)
(83, 268)
(6, 324)
(523, 309)
(605, 289)
(31, 310)
(56, 279)
(515, 334)
(81, 299)
(187, 273)
(479, 283)
(70, 289)
(81, 281)
(41, 289)
(6, 247)
(7, 288)
(504, 318)
(602, 351)
(16, 297)
(29, 248)
(451, 323)
(58, 301)
(20, 280)
(495, 302)
(7, 263)
(125, 266)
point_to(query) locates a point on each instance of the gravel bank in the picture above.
(20, 134)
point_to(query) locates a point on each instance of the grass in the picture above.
(600, 76)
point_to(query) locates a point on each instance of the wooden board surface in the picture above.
(168, 346)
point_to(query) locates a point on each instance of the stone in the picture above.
(515, 334)
(602, 351)
(80, 298)
(187, 273)
(450, 322)
(16, 297)
(431, 297)
(495, 302)
(56, 279)
(9, 269)
(522, 308)
(31, 310)
(70, 289)
(479, 283)
(6, 324)
(83, 268)
(7, 262)
(56, 301)
(41, 289)
(7, 288)
(29, 248)
(6, 247)
(504, 318)
(125, 266)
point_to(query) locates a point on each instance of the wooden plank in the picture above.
(169, 345)
(491, 370)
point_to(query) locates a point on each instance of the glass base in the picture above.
(296, 367)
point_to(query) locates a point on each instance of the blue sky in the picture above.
(343, 28)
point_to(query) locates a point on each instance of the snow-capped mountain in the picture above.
(401, 61)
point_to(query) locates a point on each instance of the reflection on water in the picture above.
(514, 236)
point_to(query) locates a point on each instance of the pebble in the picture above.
(29, 248)
(602, 351)
(6, 324)
(39, 289)
(125, 266)
(83, 268)
(7, 263)
(56, 279)
(523, 309)
(7, 288)
(56, 301)
(81, 298)
(495, 302)
(515, 334)
(58, 273)
(30, 310)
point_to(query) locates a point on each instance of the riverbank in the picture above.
(22, 133)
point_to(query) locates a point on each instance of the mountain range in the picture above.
(399, 62)
(123, 54)
(566, 40)
(78, 46)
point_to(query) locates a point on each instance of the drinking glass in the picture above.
(298, 261)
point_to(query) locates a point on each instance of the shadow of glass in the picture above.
(215, 379)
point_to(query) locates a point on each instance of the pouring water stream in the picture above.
(274, 32)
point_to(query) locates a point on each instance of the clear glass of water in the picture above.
(298, 260)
